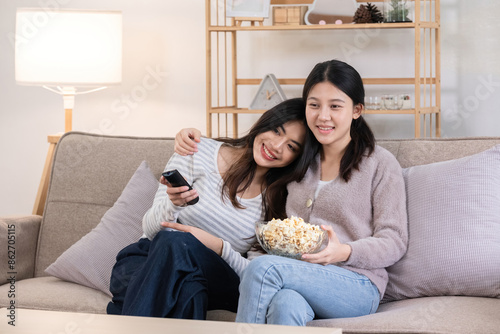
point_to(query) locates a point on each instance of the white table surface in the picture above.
(50, 322)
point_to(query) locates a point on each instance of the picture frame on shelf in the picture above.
(247, 9)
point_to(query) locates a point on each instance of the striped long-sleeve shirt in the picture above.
(234, 226)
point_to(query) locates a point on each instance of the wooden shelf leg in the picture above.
(41, 195)
(68, 119)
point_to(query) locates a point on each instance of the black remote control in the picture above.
(177, 180)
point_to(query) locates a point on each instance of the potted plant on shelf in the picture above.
(397, 11)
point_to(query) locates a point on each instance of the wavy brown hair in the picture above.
(241, 173)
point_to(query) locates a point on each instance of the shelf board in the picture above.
(295, 2)
(408, 25)
(232, 110)
(306, 2)
(427, 110)
(430, 110)
(392, 111)
(366, 81)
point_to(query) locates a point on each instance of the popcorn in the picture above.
(290, 237)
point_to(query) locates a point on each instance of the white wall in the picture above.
(168, 37)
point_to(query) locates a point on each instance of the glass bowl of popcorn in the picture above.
(290, 237)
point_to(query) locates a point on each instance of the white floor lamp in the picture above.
(65, 51)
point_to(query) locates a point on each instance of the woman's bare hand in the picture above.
(334, 252)
(185, 141)
(179, 196)
(204, 237)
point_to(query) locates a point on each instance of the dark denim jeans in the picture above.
(172, 276)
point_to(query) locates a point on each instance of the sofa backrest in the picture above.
(412, 152)
(88, 175)
(90, 171)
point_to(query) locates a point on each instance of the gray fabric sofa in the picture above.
(89, 174)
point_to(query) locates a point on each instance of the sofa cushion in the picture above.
(53, 294)
(89, 261)
(454, 230)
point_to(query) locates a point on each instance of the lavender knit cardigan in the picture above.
(368, 212)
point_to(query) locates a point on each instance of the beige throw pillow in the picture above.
(454, 230)
(89, 261)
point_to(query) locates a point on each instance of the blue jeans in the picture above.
(173, 276)
(281, 291)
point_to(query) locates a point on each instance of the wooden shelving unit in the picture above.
(222, 78)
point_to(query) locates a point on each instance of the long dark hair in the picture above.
(347, 79)
(239, 176)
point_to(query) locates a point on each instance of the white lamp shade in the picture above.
(68, 47)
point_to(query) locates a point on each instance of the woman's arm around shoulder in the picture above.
(185, 141)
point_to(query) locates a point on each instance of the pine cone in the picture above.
(368, 14)
(376, 15)
(362, 15)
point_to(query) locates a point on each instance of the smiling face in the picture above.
(279, 147)
(329, 114)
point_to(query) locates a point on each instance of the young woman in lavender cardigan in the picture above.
(182, 275)
(355, 190)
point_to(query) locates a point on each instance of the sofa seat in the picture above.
(444, 314)
(67, 296)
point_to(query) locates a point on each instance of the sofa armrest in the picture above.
(19, 238)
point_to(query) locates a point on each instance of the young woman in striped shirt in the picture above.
(190, 256)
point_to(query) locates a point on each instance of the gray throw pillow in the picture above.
(89, 261)
(454, 230)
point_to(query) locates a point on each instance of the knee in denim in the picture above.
(262, 262)
(173, 239)
(288, 307)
